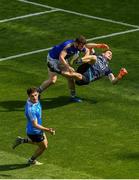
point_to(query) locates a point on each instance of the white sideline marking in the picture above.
(47, 49)
(80, 14)
(101, 19)
(113, 34)
(28, 15)
(37, 4)
(25, 54)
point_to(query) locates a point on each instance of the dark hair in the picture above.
(107, 50)
(31, 90)
(81, 39)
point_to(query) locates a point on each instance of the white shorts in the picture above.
(53, 64)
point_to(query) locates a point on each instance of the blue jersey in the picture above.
(33, 112)
(71, 49)
(97, 70)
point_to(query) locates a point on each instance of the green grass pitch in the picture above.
(96, 139)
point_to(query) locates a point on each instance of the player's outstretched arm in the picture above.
(121, 74)
(95, 45)
(112, 78)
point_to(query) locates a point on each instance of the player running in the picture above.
(34, 128)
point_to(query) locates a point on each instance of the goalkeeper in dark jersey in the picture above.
(96, 66)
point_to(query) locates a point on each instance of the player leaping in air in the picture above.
(96, 66)
(59, 62)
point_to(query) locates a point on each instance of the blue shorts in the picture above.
(83, 69)
(36, 137)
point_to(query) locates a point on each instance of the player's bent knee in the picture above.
(52, 81)
(66, 74)
(80, 76)
(44, 146)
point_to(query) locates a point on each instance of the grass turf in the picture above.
(94, 139)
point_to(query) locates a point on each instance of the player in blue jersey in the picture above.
(95, 67)
(34, 129)
(58, 60)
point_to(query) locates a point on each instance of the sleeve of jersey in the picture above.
(32, 114)
(108, 71)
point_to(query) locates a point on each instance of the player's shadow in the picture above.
(47, 103)
(92, 100)
(8, 167)
(129, 156)
(12, 105)
(50, 103)
(4, 176)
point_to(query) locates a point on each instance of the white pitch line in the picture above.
(47, 49)
(25, 54)
(37, 4)
(26, 16)
(113, 34)
(100, 19)
(83, 15)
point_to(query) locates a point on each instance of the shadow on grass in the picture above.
(5, 176)
(92, 100)
(50, 103)
(9, 167)
(47, 103)
(130, 156)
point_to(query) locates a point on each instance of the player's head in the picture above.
(80, 42)
(107, 54)
(33, 94)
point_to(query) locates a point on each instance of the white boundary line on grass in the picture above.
(113, 34)
(57, 9)
(80, 14)
(28, 15)
(37, 4)
(47, 49)
(25, 54)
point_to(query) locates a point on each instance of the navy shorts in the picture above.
(36, 137)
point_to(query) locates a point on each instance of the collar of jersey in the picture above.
(30, 103)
